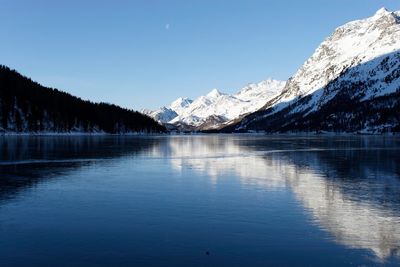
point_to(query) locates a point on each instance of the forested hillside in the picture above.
(26, 106)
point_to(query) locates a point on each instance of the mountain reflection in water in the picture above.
(348, 186)
(339, 180)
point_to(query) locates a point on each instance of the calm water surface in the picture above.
(200, 201)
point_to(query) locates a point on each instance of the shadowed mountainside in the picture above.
(342, 105)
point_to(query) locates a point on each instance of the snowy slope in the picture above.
(247, 100)
(161, 115)
(180, 104)
(166, 114)
(359, 64)
(216, 108)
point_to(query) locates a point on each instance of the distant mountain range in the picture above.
(350, 84)
(28, 107)
(216, 109)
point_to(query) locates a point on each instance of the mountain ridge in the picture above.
(356, 64)
(218, 107)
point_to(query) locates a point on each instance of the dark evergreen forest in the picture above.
(26, 106)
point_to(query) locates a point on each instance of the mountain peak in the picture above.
(180, 104)
(181, 101)
(382, 12)
(214, 93)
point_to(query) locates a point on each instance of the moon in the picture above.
(167, 26)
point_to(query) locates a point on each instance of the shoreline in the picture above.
(29, 134)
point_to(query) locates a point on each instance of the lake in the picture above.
(201, 200)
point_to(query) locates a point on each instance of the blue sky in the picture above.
(146, 53)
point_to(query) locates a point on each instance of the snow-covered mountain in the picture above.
(180, 104)
(351, 83)
(161, 115)
(166, 114)
(216, 108)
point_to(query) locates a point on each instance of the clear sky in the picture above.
(147, 53)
